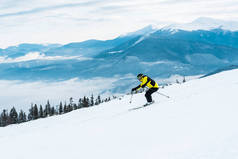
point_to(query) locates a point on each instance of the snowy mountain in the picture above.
(144, 31)
(159, 52)
(198, 121)
(89, 48)
(204, 23)
(23, 49)
(163, 53)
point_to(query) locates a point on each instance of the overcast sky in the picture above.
(65, 21)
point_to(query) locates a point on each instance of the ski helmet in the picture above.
(139, 76)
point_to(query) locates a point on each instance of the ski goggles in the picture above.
(139, 78)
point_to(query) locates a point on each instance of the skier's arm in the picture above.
(142, 85)
(144, 82)
(134, 89)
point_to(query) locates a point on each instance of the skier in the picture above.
(146, 81)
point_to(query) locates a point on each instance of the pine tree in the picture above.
(22, 117)
(99, 99)
(13, 116)
(75, 106)
(30, 114)
(71, 101)
(88, 101)
(41, 112)
(47, 109)
(52, 111)
(35, 112)
(80, 104)
(65, 108)
(85, 102)
(61, 108)
(91, 100)
(4, 118)
(70, 108)
(96, 102)
(45, 112)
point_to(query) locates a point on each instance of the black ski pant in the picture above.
(149, 92)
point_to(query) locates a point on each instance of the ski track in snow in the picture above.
(198, 121)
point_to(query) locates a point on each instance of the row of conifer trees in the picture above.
(36, 112)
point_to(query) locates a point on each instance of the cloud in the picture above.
(49, 8)
(64, 21)
(178, 1)
(38, 56)
(21, 95)
(156, 63)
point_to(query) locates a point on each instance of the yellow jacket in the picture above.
(147, 81)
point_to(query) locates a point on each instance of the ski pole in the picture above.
(163, 94)
(131, 97)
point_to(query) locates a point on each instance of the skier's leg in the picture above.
(154, 90)
(149, 92)
(148, 95)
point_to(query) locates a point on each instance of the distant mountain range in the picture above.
(159, 52)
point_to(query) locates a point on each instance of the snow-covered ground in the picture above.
(198, 122)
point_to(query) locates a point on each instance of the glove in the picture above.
(133, 89)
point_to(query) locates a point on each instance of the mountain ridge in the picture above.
(162, 53)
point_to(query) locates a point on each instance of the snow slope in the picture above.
(198, 122)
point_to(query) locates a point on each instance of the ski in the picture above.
(145, 105)
(148, 103)
(136, 108)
